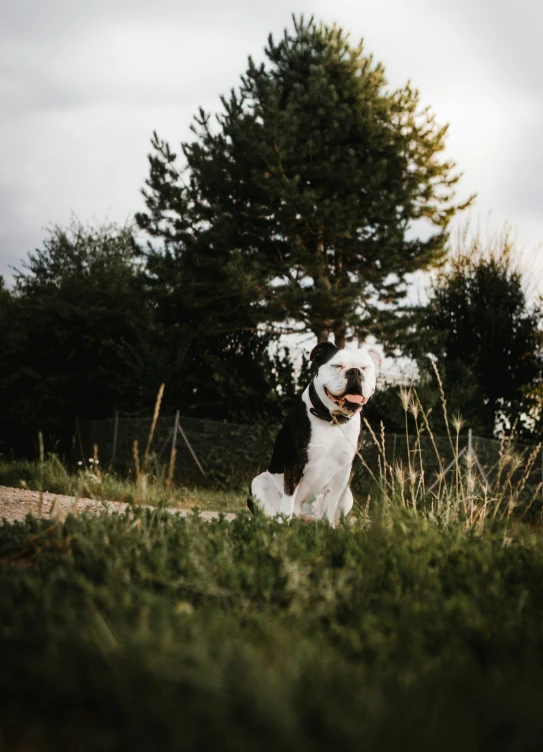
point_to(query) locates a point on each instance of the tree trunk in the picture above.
(339, 337)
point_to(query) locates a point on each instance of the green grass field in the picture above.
(147, 632)
(416, 624)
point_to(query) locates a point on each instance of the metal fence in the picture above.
(229, 455)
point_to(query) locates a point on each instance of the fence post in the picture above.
(79, 439)
(174, 441)
(115, 434)
(191, 450)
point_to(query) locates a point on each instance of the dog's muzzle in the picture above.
(352, 397)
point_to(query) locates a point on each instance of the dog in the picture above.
(310, 468)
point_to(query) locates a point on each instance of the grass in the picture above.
(90, 482)
(457, 492)
(147, 632)
(415, 624)
(147, 482)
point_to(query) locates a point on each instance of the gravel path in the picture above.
(16, 503)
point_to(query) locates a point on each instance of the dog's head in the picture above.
(346, 377)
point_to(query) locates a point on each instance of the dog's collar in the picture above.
(319, 409)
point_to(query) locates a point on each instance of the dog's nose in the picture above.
(353, 372)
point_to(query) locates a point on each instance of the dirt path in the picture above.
(16, 503)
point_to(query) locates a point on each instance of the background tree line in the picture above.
(303, 206)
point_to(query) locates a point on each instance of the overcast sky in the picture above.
(83, 85)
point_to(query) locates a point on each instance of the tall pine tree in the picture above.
(304, 191)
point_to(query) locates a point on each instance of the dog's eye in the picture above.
(336, 366)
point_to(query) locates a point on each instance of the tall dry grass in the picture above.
(458, 492)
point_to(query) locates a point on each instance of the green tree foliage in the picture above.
(86, 332)
(302, 196)
(219, 365)
(487, 338)
(6, 322)
(76, 317)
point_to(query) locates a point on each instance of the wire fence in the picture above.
(216, 454)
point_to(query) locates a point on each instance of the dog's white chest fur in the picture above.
(331, 446)
(331, 451)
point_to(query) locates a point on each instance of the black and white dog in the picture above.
(309, 472)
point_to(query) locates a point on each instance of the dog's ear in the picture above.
(322, 353)
(375, 355)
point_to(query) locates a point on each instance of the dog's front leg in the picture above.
(334, 494)
(293, 477)
(345, 504)
(287, 503)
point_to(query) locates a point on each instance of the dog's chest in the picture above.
(333, 445)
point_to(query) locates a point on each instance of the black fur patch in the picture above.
(290, 449)
(251, 506)
(322, 353)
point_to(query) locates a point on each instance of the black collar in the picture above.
(320, 410)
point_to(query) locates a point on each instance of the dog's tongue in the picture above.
(358, 398)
